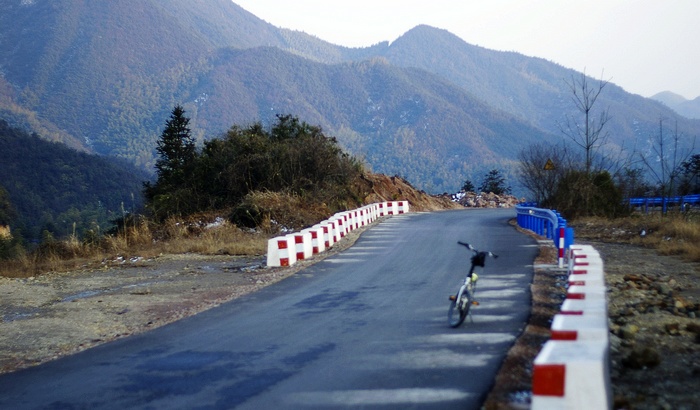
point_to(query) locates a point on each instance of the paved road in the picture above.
(366, 328)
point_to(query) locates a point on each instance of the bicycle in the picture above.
(463, 300)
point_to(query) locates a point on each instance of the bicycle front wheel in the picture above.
(455, 316)
(459, 308)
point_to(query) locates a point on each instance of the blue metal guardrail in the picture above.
(544, 222)
(664, 202)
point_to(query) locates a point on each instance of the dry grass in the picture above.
(205, 234)
(671, 234)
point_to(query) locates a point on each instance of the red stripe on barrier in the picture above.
(284, 261)
(548, 380)
(564, 335)
(576, 296)
(577, 283)
(579, 272)
(298, 239)
(281, 244)
(300, 255)
(572, 312)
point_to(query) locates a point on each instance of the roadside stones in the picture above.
(628, 332)
(486, 200)
(642, 357)
(664, 289)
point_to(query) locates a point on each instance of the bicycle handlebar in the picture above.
(472, 248)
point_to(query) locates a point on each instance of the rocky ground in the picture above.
(654, 303)
(653, 308)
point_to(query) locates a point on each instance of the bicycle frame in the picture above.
(464, 298)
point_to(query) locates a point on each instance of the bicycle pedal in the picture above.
(453, 298)
(475, 303)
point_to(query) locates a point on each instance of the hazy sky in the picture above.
(644, 46)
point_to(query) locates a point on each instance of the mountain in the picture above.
(103, 76)
(678, 103)
(51, 186)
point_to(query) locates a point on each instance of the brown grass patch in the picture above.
(202, 234)
(671, 234)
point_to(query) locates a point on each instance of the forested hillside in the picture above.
(101, 75)
(54, 188)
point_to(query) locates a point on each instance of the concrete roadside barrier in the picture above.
(281, 251)
(383, 208)
(287, 250)
(590, 292)
(589, 326)
(318, 244)
(572, 369)
(587, 275)
(572, 375)
(302, 245)
(579, 306)
(329, 233)
(341, 219)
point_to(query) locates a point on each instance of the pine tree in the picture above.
(176, 149)
(172, 193)
(494, 182)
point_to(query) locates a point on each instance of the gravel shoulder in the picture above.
(654, 330)
(56, 314)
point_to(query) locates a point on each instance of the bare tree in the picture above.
(588, 135)
(664, 158)
(535, 176)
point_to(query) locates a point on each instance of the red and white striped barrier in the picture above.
(329, 233)
(589, 326)
(561, 246)
(281, 251)
(302, 245)
(572, 375)
(579, 306)
(318, 243)
(571, 371)
(287, 250)
(590, 292)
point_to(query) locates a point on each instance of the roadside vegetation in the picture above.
(674, 233)
(225, 198)
(590, 181)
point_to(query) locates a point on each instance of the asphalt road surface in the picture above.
(366, 328)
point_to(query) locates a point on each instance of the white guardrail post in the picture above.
(287, 250)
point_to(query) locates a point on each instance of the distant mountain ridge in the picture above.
(104, 75)
(678, 103)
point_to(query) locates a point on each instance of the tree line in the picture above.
(597, 179)
(291, 157)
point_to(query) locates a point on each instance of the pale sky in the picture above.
(644, 46)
